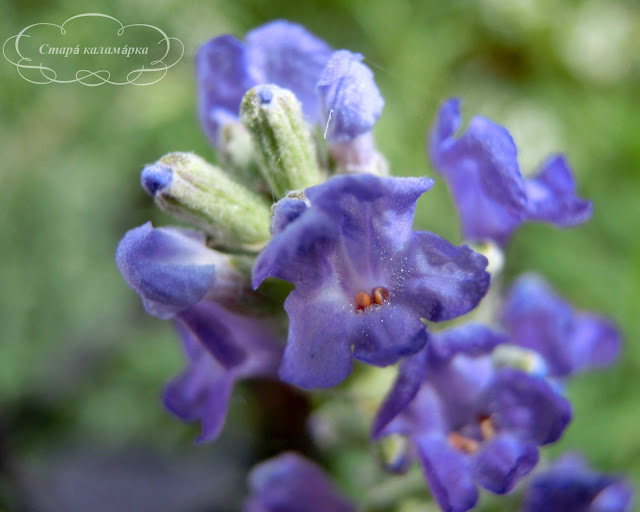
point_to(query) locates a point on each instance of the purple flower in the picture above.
(285, 54)
(290, 483)
(178, 277)
(570, 486)
(363, 278)
(481, 169)
(221, 347)
(471, 424)
(569, 341)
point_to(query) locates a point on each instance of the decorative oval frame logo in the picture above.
(95, 77)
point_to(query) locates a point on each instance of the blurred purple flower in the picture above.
(221, 348)
(178, 277)
(569, 341)
(290, 483)
(570, 486)
(492, 198)
(363, 277)
(287, 55)
(471, 424)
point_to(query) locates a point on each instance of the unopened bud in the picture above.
(186, 186)
(282, 139)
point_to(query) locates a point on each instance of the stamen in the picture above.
(363, 301)
(380, 294)
(486, 428)
(464, 444)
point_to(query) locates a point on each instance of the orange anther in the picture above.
(380, 294)
(363, 301)
(464, 444)
(486, 428)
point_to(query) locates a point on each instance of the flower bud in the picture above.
(191, 189)
(282, 139)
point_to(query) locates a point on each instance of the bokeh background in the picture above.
(82, 366)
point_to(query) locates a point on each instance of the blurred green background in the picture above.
(82, 366)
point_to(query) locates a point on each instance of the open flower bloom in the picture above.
(221, 348)
(290, 483)
(569, 341)
(470, 423)
(363, 278)
(178, 277)
(285, 54)
(570, 486)
(492, 198)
